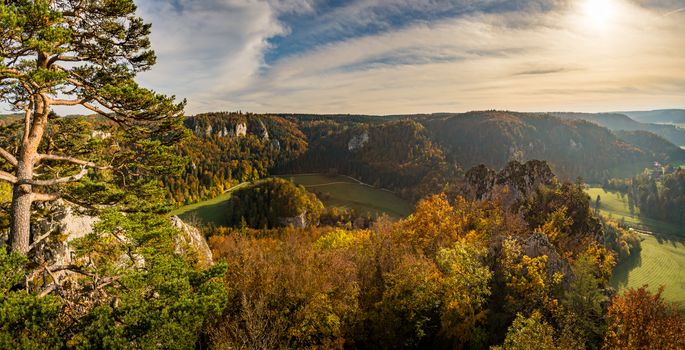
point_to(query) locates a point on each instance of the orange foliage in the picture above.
(642, 320)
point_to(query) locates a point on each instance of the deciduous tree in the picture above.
(641, 320)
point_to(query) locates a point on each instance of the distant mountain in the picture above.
(572, 147)
(412, 155)
(621, 122)
(669, 116)
(659, 147)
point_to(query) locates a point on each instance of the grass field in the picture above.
(342, 191)
(616, 207)
(337, 191)
(212, 211)
(661, 262)
(662, 258)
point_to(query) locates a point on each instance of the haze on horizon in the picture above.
(406, 56)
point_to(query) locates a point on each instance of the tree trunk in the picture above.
(21, 219)
(22, 194)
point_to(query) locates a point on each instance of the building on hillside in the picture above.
(659, 170)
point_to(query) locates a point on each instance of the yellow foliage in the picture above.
(602, 258)
(339, 239)
(436, 223)
(528, 280)
(556, 226)
(5, 192)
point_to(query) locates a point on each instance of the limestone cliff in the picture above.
(512, 185)
(358, 141)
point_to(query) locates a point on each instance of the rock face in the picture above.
(514, 183)
(225, 128)
(240, 130)
(191, 238)
(538, 245)
(358, 141)
(299, 221)
(100, 135)
(68, 222)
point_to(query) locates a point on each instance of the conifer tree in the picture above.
(71, 53)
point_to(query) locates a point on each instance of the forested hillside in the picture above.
(412, 155)
(621, 122)
(225, 149)
(655, 145)
(573, 148)
(398, 155)
(273, 203)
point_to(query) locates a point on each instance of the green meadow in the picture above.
(334, 191)
(343, 191)
(615, 206)
(211, 211)
(662, 258)
(660, 263)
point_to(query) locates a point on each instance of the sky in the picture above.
(411, 56)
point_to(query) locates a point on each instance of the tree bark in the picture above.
(22, 193)
(22, 198)
(21, 219)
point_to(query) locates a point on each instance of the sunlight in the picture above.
(599, 13)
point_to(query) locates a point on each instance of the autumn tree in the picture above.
(528, 333)
(642, 320)
(70, 53)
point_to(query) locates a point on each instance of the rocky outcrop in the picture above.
(67, 222)
(240, 130)
(100, 134)
(513, 184)
(539, 245)
(190, 240)
(299, 221)
(358, 141)
(53, 234)
(223, 128)
(264, 131)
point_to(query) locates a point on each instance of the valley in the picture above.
(661, 259)
(342, 175)
(208, 212)
(347, 192)
(333, 191)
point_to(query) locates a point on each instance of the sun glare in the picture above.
(598, 13)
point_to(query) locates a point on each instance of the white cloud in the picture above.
(556, 60)
(205, 45)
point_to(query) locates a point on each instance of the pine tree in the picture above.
(71, 53)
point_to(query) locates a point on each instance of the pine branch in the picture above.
(44, 197)
(5, 176)
(62, 180)
(8, 156)
(70, 160)
(66, 102)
